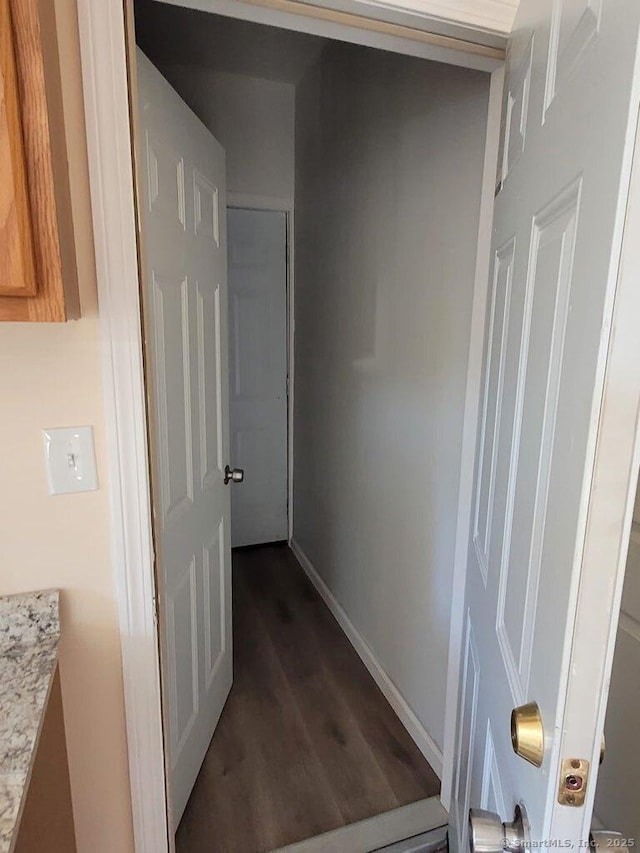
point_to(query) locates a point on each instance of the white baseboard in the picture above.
(412, 724)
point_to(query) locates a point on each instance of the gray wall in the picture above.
(617, 805)
(251, 118)
(389, 157)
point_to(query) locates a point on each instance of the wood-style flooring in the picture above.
(306, 742)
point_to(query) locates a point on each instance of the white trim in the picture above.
(102, 38)
(382, 27)
(471, 415)
(104, 70)
(259, 202)
(291, 365)
(427, 842)
(412, 724)
(284, 205)
(449, 24)
(496, 15)
(379, 831)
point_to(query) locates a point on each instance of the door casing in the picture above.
(108, 82)
(107, 42)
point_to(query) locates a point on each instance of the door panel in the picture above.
(574, 25)
(183, 174)
(210, 365)
(569, 126)
(215, 635)
(182, 643)
(170, 306)
(546, 306)
(258, 361)
(493, 396)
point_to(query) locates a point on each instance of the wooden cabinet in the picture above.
(38, 276)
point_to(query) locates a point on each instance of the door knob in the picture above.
(488, 834)
(233, 475)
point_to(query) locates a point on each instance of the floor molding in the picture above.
(380, 831)
(435, 841)
(423, 740)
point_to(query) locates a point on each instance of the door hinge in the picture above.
(155, 609)
(574, 777)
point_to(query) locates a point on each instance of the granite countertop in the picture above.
(29, 634)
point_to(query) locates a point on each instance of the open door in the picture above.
(569, 130)
(183, 212)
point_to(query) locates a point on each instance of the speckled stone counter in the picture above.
(29, 634)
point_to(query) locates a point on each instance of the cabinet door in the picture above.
(17, 267)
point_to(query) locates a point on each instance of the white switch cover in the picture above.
(71, 460)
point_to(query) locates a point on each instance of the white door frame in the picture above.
(105, 84)
(104, 72)
(248, 201)
(469, 431)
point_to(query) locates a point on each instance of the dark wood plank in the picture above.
(261, 784)
(409, 774)
(350, 764)
(306, 742)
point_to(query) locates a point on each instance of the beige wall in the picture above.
(51, 376)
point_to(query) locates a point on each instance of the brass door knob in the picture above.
(527, 733)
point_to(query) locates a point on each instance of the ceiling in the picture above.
(186, 37)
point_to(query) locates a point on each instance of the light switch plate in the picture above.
(71, 460)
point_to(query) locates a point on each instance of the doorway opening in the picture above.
(618, 785)
(259, 286)
(327, 292)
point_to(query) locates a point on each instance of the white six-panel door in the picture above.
(183, 213)
(258, 373)
(569, 126)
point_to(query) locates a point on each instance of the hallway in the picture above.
(306, 742)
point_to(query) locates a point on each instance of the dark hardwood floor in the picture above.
(306, 742)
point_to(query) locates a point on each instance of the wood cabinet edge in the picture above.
(38, 62)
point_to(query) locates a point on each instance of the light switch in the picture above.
(71, 460)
